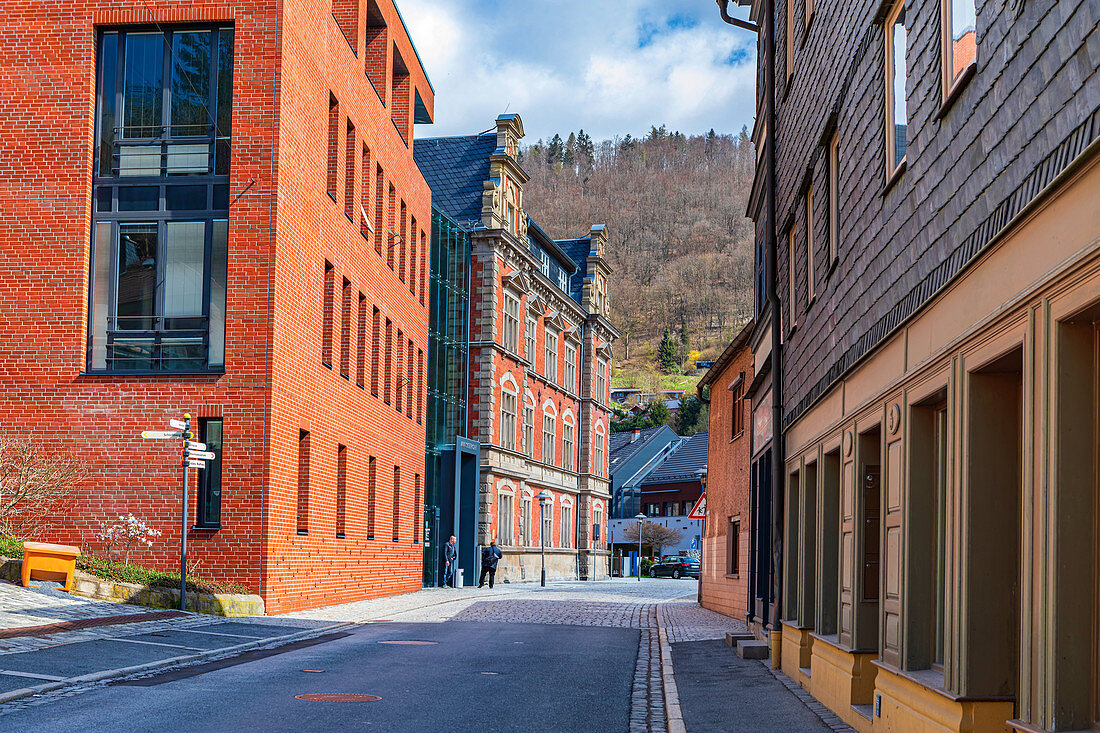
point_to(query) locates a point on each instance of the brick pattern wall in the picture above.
(282, 229)
(1036, 79)
(728, 471)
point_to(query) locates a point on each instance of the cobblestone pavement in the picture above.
(686, 620)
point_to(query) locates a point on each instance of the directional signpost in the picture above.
(195, 455)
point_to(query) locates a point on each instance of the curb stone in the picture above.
(673, 715)
(170, 662)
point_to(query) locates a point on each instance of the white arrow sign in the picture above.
(177, 424)
(160, 434)
(202, 455)
(196, 464)
(195, 445)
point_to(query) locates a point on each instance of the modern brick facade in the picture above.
(314, 144)
(936, 253)
(725, 551)
(540, 354)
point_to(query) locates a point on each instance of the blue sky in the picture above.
(608, 66)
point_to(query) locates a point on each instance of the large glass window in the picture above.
(161, 201)
(896, 36)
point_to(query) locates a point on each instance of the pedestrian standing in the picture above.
(489, 557)
(450, 560)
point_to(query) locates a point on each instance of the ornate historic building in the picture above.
(539, 364)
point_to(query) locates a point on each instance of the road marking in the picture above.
(156, 643)
(31, 675)
(222, 633)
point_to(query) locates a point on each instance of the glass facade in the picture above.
(448, 357)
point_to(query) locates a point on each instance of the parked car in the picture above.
(675, 567)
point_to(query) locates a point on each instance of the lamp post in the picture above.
(702, 474)
(640, 517)
(543, 497)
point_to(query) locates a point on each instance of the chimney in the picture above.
(634, 435)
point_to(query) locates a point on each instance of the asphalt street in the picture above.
(471, 676)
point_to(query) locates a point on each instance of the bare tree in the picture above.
(653, 534)
(35, 482)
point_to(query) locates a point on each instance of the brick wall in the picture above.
(282, 229)
(727, 491)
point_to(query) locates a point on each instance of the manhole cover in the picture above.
(406, 641)
(336, 697)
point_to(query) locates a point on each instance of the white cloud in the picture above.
(596, 64)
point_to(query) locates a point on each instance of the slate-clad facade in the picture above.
(539, 364)
(929, 555)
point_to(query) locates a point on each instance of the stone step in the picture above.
(753, 649)
(732, 637)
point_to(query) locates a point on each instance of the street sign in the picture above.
(694, 543)
(161, 434)
(196, 464)
(178, 424)
(195, 445)
(202, 455)
(699, 511)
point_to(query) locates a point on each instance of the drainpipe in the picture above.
(775, 320)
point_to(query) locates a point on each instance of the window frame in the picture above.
(508, 437)
(209, 473)
(111, 84)
(506, 519)
(530, 339)
(600, 454)
(550, 355)
(833, 158)
(811, 284)
(509, 336)
(601, 381)
(792, 310)
(549, 438)
(569, 366)
(529, 429)
(568, 445)
(951, 81)
(565, 526)
(894, 168)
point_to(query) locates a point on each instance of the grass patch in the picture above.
(118, 571)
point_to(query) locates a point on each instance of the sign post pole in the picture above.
(183, 521)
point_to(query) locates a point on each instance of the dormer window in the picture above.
(563, 281)
(544, 262)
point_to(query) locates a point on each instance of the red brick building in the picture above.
(540, 355)
(213, 208)
(726, 567)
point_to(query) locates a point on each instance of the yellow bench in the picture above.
(49, 562)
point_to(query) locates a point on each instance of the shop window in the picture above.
(869, 523)
(828, 530)
(791, 585)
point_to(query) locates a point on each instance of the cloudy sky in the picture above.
(608, 66)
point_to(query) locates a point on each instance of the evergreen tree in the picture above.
(666, 354)
(659, 414)
(586, 150)
(569, 156)
(554, 150)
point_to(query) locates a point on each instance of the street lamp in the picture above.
(639, 517)
(543, 497)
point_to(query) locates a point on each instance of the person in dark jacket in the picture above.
(489, 557)
(450, 560)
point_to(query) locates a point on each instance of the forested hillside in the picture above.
(679, 243)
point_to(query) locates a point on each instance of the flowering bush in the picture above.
(127, 531)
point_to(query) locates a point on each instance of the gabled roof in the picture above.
(456, 169)
(683, 464)
(623, 450)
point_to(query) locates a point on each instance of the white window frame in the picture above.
(529, 429)
(549, 437)
(506, 520)
(510, 331)
(811, 284)
(525, 521)
(565, 526)
(569, 372)
(600, 455)
(893, 167)
(568, 445)
(550, 355)
(508, 419)
(834, 196)
(601, 381)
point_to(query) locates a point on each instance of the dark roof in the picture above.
(456, 169)
(728, 353)
(621, 447)
(577, 250)
(683, 464)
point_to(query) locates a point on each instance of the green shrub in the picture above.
(11, 547)
(646, 565)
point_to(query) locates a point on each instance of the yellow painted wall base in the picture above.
(797, 644)
(840, 679)
(909, 706)
(775, 639)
